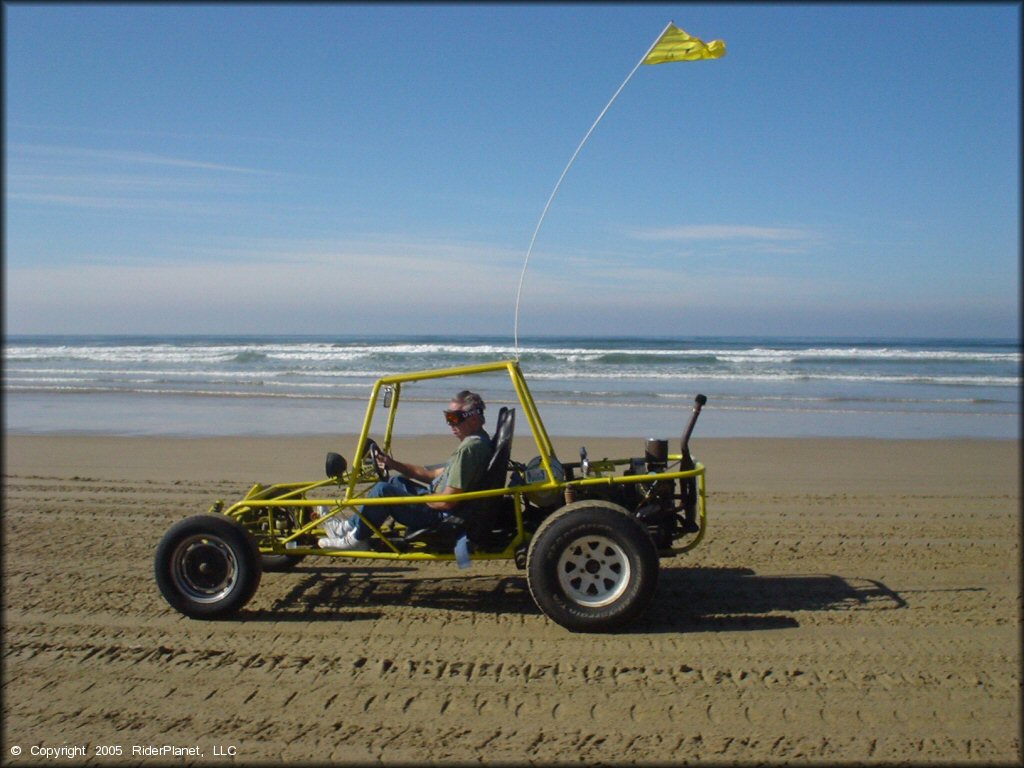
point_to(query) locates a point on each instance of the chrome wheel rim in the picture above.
(593, 571)
(204, 568)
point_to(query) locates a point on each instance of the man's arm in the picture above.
(445, 506)
(424, 474)
(466, 468)
(415, 471)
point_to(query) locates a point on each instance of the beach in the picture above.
(854, 601)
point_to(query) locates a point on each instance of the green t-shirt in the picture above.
(465, 467)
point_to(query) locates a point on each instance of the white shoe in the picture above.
(347, 542)
(337, 527)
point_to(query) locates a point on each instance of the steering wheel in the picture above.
(375, 453)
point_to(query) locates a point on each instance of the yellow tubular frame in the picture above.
(261, 498)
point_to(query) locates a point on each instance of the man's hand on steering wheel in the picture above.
(379, 460)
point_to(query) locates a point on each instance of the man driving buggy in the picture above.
(462, 472)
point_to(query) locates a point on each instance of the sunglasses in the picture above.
(454, 418)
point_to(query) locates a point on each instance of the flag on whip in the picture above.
(673, 44)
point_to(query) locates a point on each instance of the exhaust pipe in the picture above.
(688, 485)
(684, 447)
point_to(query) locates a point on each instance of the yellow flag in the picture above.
(676, 45)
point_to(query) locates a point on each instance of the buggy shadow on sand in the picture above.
(691, 599)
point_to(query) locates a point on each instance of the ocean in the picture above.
(606, 386)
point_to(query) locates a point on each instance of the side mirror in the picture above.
(335, 465)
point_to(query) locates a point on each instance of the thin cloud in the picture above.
(132, 157)
(35, 181)
(726, 232)
(329, 288)
(57, 176)
(115, 204)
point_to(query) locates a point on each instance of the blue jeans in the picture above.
(413, 516)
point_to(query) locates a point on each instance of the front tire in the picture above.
(207, 566)
(592, 567)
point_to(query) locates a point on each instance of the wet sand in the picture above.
(855, 601)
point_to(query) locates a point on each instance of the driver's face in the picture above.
(466, 427)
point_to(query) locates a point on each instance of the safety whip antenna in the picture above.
(529, 251)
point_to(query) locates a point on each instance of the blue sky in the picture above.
(843, 170)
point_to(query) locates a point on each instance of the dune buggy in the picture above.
(589, 533)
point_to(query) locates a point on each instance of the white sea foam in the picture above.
(972, 376)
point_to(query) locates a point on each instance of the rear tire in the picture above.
(592, 567)
(207, 566)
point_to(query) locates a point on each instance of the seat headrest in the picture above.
(501, 443)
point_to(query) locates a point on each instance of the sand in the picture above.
(855, 601)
